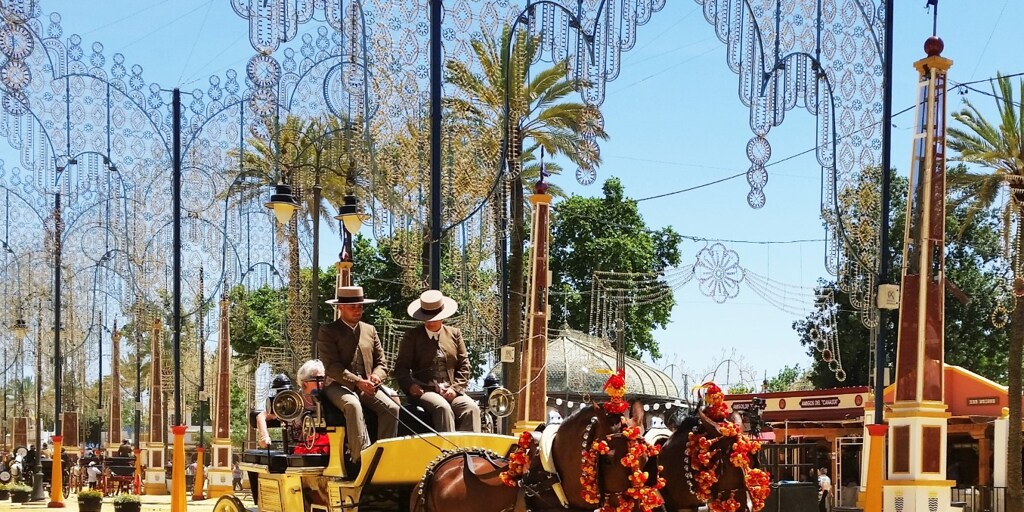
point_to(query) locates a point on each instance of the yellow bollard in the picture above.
(197, 487)
(178, 470)
(57, 487)
(876, 463)
(137, 482)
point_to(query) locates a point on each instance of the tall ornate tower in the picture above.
(532, 400)
(155, 478)
(114, 437)
(917, 423)
(220, 472)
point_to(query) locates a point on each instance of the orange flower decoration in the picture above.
(615, 387)
(517, 461)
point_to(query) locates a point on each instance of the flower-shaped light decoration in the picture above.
(718, 272)
(518, 461)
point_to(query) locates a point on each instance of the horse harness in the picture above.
(721, 458)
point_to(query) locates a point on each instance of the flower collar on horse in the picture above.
(704, 458)
(639, 494)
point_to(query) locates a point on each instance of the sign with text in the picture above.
(825, 401)
(983, 400)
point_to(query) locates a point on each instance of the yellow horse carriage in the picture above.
(390, 468)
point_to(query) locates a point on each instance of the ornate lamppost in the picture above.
(352, 220)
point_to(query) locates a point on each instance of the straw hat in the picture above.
(432, 305)
(350, 295)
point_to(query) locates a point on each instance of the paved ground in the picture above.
(149, 503)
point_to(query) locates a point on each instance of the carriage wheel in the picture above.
(228, 503)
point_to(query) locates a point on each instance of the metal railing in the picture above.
(979, 499)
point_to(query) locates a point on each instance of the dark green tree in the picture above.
(608, 233)
(974, 267)
(257, 319)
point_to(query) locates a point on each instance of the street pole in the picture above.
(99, 400)
(435, 144)
(57, 373)
(877, 431)
(883, 253)
(178, 467)
(314, 292)
(37, 482)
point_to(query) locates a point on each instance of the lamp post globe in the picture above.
(350, 216)
(20, 328)
(282, 202)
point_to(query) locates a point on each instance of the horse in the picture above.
(731, 480)
(471, 480)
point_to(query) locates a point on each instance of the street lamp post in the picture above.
(37, 482)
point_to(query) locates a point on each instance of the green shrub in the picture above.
(19, 488)
(127, 498)
(85, 494)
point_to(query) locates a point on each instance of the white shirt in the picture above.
(824, 483)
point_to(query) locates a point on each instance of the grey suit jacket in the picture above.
(336, 343)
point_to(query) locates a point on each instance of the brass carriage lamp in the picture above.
(350, 215)
(282, 203)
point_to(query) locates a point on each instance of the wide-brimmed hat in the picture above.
(432, 305)
(350, 295)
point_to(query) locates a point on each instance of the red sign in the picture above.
(983, 400)
(825, 401)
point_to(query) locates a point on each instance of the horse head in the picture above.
(589, 451)
(715, 463)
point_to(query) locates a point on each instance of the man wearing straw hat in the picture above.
(433, 365)
(354, 361)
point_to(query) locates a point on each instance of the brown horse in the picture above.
(470, 481)
(679, 491)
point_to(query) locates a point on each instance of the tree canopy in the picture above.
(608, 233)
(974, 265)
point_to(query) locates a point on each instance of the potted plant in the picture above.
(126, 502)
(5, 492)
(19, 493)
(90, 500)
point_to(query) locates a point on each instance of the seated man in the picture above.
(354, 359)
(125, 450)
(433, 365)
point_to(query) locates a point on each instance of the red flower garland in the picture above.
(704, 464)
(517, 461)
(588, 479)
(615, 387)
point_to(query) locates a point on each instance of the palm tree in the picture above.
(1001, 150)
(295, 152)
(540, 113)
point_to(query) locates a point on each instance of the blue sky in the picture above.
(675, 122)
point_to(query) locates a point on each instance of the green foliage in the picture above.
(609, 234)
(85, 494)
(126, 497)
(739, 389)
(1000, 149)
(21, 488)
(787, 379)
(257, 319)
(239, 415)
(973, 264)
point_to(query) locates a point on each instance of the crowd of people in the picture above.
(432, 369)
